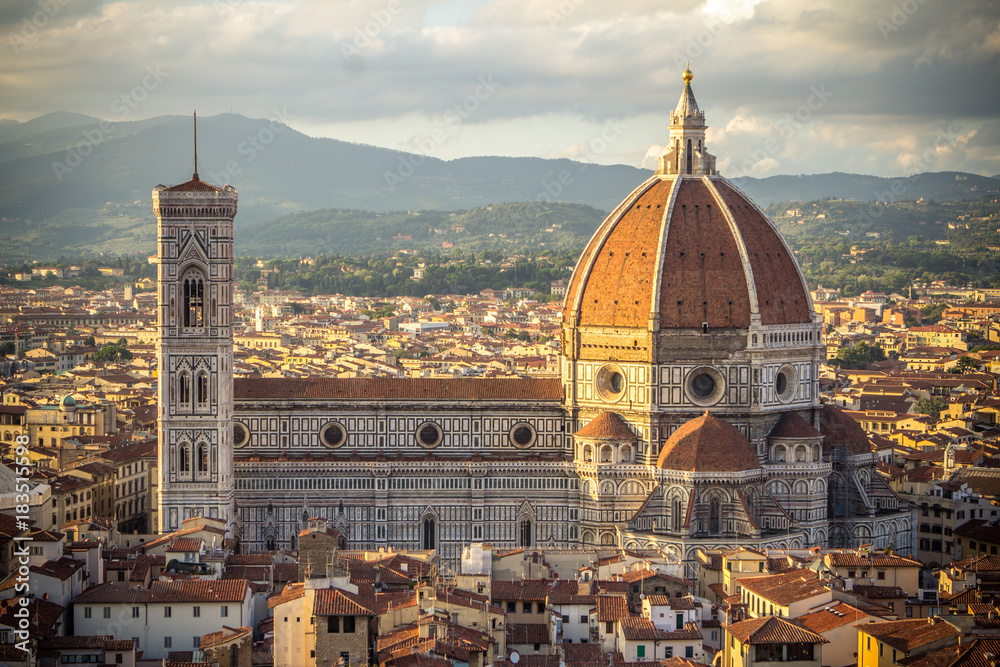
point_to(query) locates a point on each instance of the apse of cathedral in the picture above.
(687, 413)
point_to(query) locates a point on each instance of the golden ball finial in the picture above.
(687, 76)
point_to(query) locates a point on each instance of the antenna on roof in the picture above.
(195, 145)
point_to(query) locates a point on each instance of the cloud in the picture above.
(364, 65)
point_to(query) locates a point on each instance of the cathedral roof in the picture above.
(708, 444)
(606, 426)
(842, 432)
(686, 248)
(194, 185)
(434, 389)
(792, 425)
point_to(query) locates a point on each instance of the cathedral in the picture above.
(687, 412)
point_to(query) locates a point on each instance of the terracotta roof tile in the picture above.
(773, 630)
(907, 635)
(708, 444)
(606, 426)
(385, 389)
(792, 425)
(786, 587)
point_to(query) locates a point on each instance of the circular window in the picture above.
(523, 435)
(705, 386)
(784, 383)
(611, 383)
(241, 435)
(333, 434)
(429, 434)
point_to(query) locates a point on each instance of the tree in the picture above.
(966, 364)
(931, 407)
(112, 353)
(858, 357)
(89, 341)
(7, 347)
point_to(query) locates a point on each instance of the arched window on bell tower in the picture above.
(689, 160)
(185, 389)
(201, 385)
(193, 300)
(185, 459)
(202, 458)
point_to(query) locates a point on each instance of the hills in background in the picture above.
(72, 184)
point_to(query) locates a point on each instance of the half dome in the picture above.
(708, 444)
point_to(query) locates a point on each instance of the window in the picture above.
(640, 651)
(107, 612)
(86, 612)
(197, 612)
(909, 614)
(689, 651)
(193, 310)
(333, 624)
(769, 652)
(202, 389)
(135, 612)
(511, 607)
(348, 624)
(668, 652)
(168, 642)
(540, 606)
(583, 619)
(526, 607)
(880, 646)
(609, 627)
(167, 611)
(799, 652)
(881, 574)
(345, 658)
(196, 641)
(225, 610)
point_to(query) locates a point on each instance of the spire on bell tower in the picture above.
(686, 152)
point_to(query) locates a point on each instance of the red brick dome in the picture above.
(708, 444)
(683, 250)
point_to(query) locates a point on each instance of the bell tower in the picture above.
(194, 224)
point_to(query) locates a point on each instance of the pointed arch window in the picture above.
(429, 530)
(185, 462)
(526, 533)
(689, 157)
(202, 458)
(193, 300)
(714, 514)
(202, 389)
(185, 389)
(675, 515)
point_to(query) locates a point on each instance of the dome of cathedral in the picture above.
(843, 432)
(708, 444)
(686, 249)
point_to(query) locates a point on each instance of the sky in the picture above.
(886, 87)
